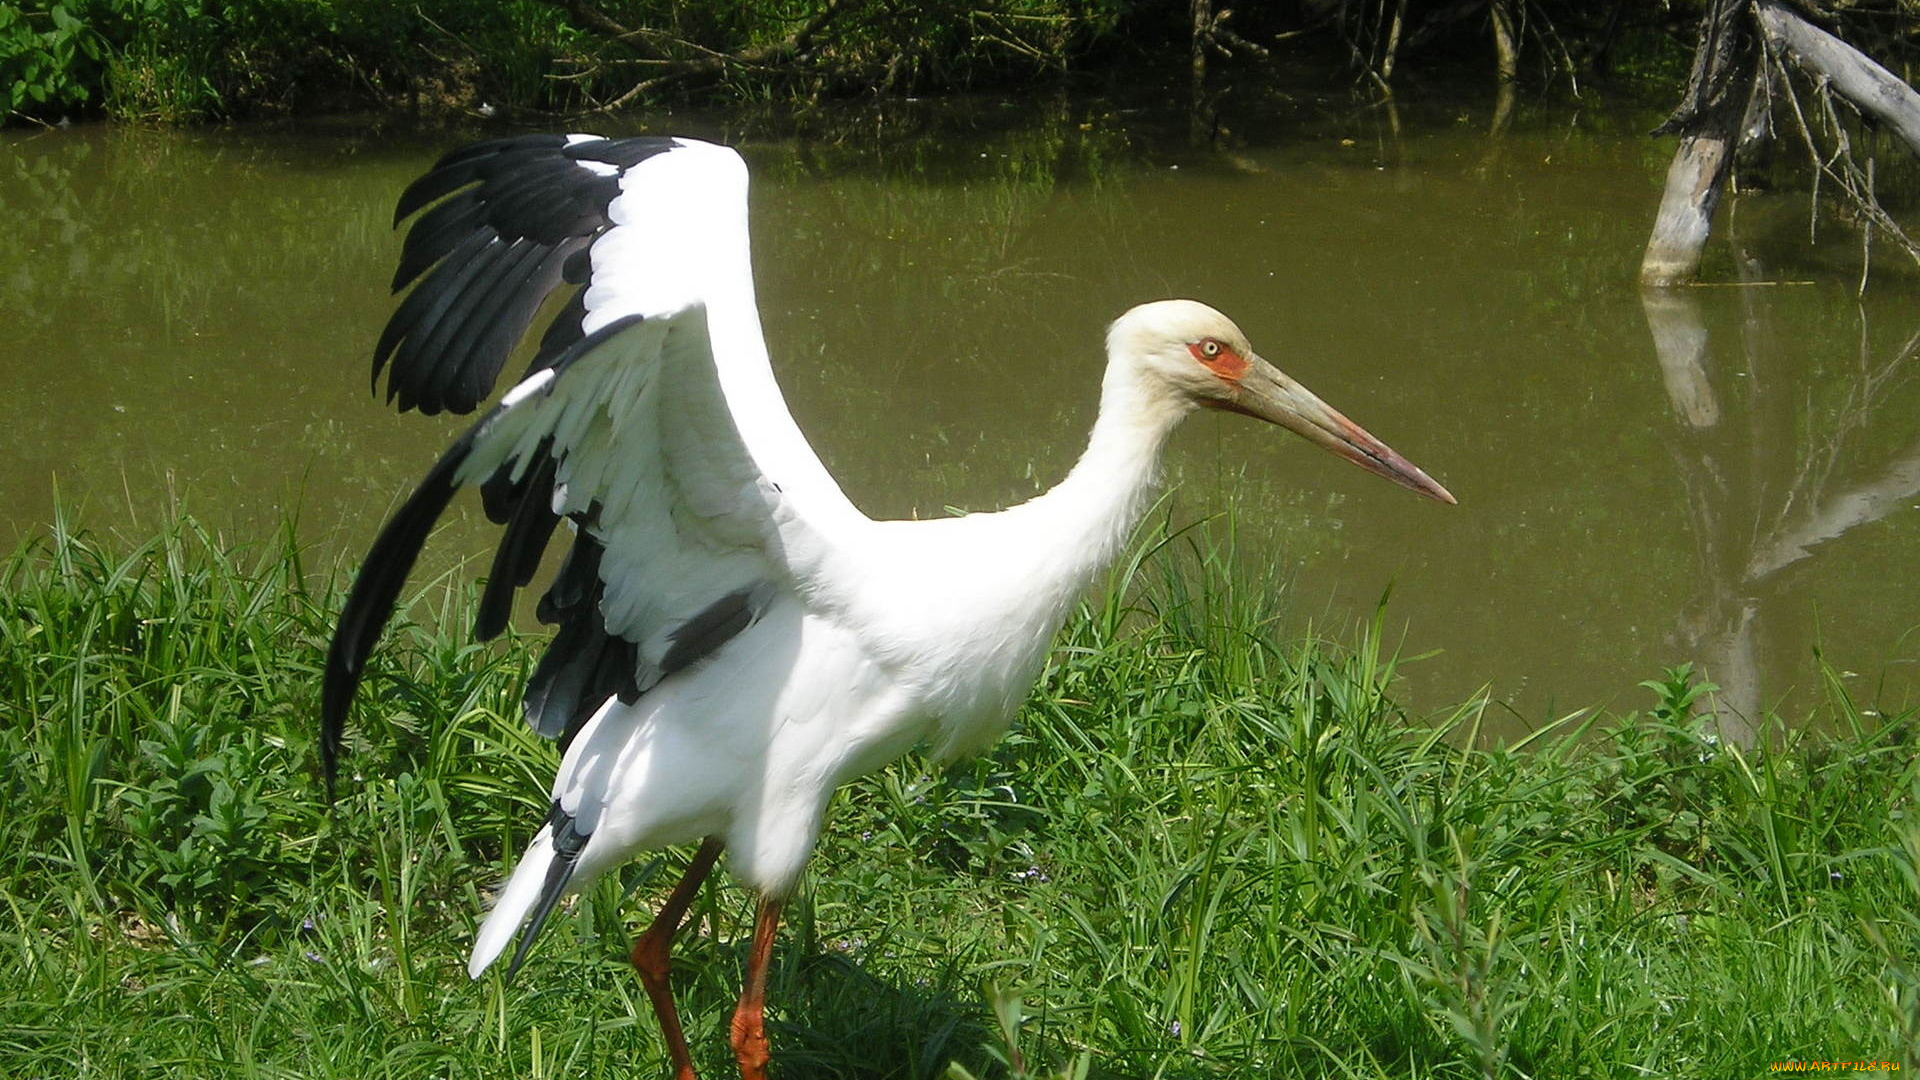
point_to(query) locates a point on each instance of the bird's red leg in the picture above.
(652, 948)
(749, 1033)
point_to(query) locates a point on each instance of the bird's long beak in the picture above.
(1266, 393)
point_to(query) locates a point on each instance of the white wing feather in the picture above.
(650, 426)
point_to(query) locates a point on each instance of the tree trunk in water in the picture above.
(1694, 182)
(1505, 49)
(1393, 43)
(1202, 11)
(1875, 90)
(1708, 123)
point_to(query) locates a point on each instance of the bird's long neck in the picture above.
(1092, 513)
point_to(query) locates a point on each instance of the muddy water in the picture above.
(1728, 475)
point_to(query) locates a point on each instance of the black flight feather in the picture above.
(370, 604)
(421, 352)
(467, 164)
(547, 201)
(436, 234)
(562, 334)
(521, 547)
(500, 494)
(450, 344)
(417, 305)
(579, 576)
(493, 335)
(559, 690)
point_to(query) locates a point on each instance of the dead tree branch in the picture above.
(1729, 98)
(657, 49)
(1872, 89)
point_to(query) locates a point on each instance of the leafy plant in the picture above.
(49, 58)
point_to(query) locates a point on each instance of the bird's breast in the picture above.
(965, 631)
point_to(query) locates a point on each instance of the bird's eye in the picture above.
(1210, 348)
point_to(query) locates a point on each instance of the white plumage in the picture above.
(737, 639)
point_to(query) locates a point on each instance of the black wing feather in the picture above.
(563, 334)
(421, 312)
(435, 236)
(475, 161)
(710, 628)
(577, 580)
(545, 202)
(370, 604)
(493, 335)
(518, 557)
(470, 313)
(415, 304)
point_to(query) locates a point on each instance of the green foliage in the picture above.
(172, 61)
(1207, 849)
(49, 58)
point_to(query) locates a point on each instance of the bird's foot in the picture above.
(750, 1044)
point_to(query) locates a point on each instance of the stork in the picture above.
(736, 639)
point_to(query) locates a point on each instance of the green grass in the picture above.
(1208, 849)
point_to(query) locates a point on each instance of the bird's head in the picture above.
(1188, 355)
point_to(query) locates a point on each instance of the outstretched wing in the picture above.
(649, 419)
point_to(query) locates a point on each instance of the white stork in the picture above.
(736, 639)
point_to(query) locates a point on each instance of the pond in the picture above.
(1728, 475)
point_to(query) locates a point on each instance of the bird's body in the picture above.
(933, 634)
(736, 639)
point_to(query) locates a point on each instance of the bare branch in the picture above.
(1871, 88)
(712, 64)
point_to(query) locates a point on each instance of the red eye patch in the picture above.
(1224, 362)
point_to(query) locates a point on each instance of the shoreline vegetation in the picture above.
(185, 61)
(1748, 77)
(1209, 848)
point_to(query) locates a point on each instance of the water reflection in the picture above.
(181, 314)
(1785, 490)
(196, 309)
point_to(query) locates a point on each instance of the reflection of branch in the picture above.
(1854, 416)
(1742, 535)
(1860, 505)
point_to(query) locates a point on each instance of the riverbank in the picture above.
(174, 63)
(1205, 851)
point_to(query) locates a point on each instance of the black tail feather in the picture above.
(567, 845)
